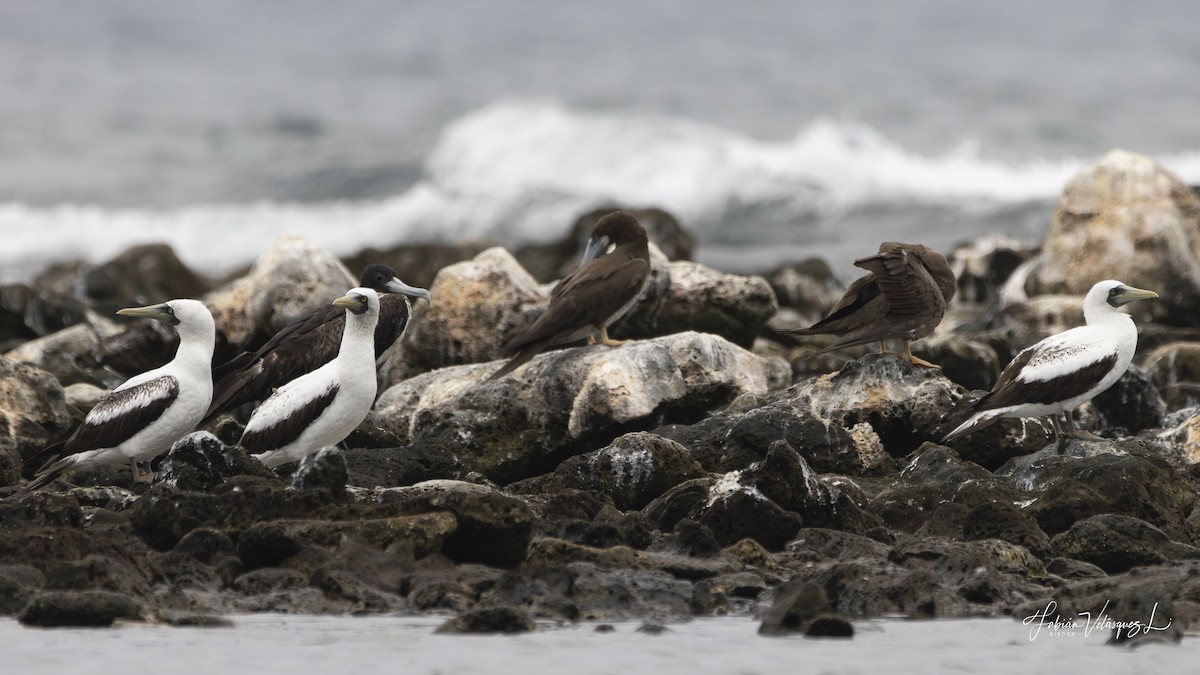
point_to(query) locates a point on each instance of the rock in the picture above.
(199, 461)
(809, 287)
(735, 439)
(1135, 221)
(98, 572)
(325, 470)
(1132, 404)
(1126, 477)
(602, 594)
(704, 300)
(1186, 436)
(1002, 520)
(18, 585)
(567, 402)
(418, 264)
(1175, 370)
(395, 466)
(288, 279)
(81, 608)
(27, 313)
(71, 355)
(983, 265)
(506, 620)
(493, 528)
(633, 470)
(797, 603)
(968, 362)
(80, 398)
(786, 479)
(734, 511)
(33, 414)
(490, 290)
(1073, 570)
(270, 543)
(141, 275)
(1117, 543)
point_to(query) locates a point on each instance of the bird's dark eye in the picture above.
(1113, 292)
(362, 299)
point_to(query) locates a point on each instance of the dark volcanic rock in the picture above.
(493, 528)
(1131, 404)
(785, 478)
(325, 470)
(797, 603)
(27, 313)
(395, 466)
(18, 585)
(199, 461)
(81, 608)
(270, 543)
(1002, 520)
(141, 275)
(1175, 370)
(633, 470)
(735, 511)
(489, 620)
(1117, 543)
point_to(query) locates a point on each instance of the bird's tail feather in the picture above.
(974, 423)
(524, 356)
(48, 474)
(42, 459)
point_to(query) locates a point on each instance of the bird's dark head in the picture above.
(384, 279)
(613, 230)
(359, 301)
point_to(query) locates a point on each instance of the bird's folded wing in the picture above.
(285, 415)
(1059, 368)
(909, 288)
(123, 413)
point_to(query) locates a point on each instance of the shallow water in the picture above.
(306, 644)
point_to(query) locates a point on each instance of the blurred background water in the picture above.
(775, 129)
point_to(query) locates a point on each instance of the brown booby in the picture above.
(320, 408)
(310, 342)
(586, 301)
(1065, 370)
(147, 413)
(904, 297)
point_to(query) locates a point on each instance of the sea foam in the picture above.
(520, 171)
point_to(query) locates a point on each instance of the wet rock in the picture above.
(666, 511)
(633, 470)
(797, 603)
(270, 543)
(1121, 477)
(199, 461)
(966, 361)
(33, 414)
(395, 466)
(733, 440)
(603, 594)
(81, 608)
(206, 545)
(492, 528)
(18, 585)
(1073, 570)
(1000, 520)
(97, 572)
(325, 470)
(735, 510)
(269, 580)
(506, 620)
(784, 477)
(1175, 370)
(1117, 543)
(1132, 404)
(855, 589)
(1136, 222)
(567, 402)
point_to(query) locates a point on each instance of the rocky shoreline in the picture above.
(707, 467)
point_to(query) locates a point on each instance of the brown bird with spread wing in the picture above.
(600, 291)
(904, 297)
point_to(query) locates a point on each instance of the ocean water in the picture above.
(776, 130)
(315, 644)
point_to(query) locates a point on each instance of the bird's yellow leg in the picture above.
(138, 475)
(605, 340)
(916, 360)
(1081, 434)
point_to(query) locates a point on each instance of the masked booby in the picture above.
(586, 301)
(147, 413)
(1065, 370)
(321, 408)
(904, 297)
(310, 342)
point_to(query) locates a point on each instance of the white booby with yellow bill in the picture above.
(142, 418)
(1065, 370)
(321, 408)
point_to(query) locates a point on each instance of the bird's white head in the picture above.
(1107, 295)
(187, 316)
(359, 301)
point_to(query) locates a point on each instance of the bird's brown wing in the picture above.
(905, 282)
(587, 296)
(841, 318)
